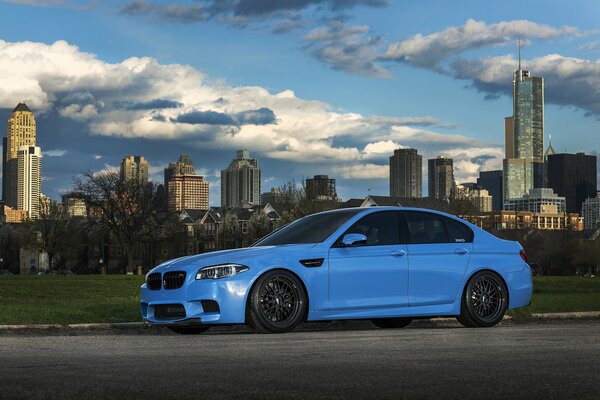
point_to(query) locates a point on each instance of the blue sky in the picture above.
(309, 86)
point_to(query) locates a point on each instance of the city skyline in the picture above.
(293, 100)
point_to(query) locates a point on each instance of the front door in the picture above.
(374, 274)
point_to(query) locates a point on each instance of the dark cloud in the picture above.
(183, 13)
(156, 104)
(261, 116)
(347, 48)
(205, 117)
(238, 11)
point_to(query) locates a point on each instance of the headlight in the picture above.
(220, 271)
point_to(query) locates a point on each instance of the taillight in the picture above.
(523, 256)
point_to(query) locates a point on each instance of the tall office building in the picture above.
(320, 187)
(134, 168)
(29, 179)
(185, 189)
(573, 176)
(21, 132)
(523, 164)
(184, 166)
(440, 178)
(406, 174)
(492, 182)
(590, 211)
(241, 181)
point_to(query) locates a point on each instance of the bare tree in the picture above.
(53, 231)
(292, 202)
(259, 225)
(128, 209)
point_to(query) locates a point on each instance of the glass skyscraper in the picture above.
(524, 136)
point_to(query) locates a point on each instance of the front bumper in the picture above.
(230, 294)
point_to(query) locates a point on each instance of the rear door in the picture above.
(438, 255)
(373, 274)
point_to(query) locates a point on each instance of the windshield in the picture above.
(312, 229)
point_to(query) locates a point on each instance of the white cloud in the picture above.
(385, 148)
(54, 153)
(363, 171)
(430, 50)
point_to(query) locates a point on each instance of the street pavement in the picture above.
(551, 360)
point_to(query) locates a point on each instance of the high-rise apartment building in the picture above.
(184, 166)
(320, 187)
(21, 132)
(241, 181)
(492, 182)
(537, 200)
(188, 192)
(29, 179)
(573, 176)
(523, 164)
(134, 168)
(185, 189)
(406, 174)
(440, 178)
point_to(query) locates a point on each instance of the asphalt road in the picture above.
(550, 360)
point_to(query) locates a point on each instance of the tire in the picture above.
(484, 300)
(277, 303)
(188, 330)
(391, 323)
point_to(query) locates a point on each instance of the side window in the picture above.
(458, 232)
(380, 228)
(425, 227)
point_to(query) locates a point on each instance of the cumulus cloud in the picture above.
(141, 98)
(347, 48)
(431, 50)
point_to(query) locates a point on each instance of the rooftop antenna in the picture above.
(519, 54)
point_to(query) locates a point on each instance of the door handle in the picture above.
(461, 251)
(398, 253)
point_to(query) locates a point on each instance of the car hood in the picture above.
(243, 256)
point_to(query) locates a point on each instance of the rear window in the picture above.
(426, 228)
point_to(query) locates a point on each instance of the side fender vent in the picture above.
(312, 262)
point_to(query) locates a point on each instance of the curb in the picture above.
(568, 315)
(137, 326)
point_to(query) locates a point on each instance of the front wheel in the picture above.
(484, 301)
(391, 323)
(277, 303)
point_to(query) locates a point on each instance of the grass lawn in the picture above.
(69, 299)
(553, 294)
(115, 298)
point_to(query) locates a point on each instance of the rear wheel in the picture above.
(484, 301)
(277, 303)
(391, 323)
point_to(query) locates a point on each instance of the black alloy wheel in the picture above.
(188, 330)
(277, 303)
(391, 323)
(485, 300)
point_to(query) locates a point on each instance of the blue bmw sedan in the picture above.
(386, 264)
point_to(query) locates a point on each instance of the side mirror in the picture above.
(353, 238)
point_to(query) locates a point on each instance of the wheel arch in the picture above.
(277, 268)
(464, 288)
